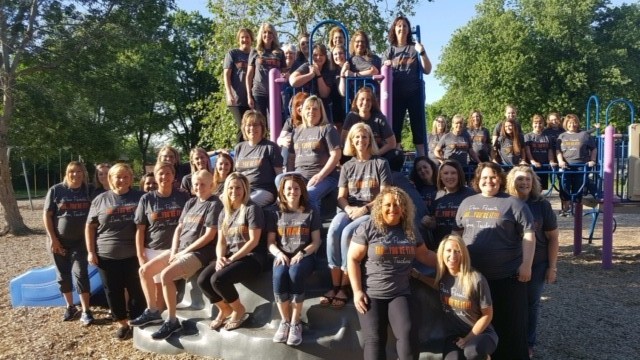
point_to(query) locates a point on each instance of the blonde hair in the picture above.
(306, 123)
(115, 169)
(404, 202)
(260, 45)
(228, 206)
(350, 149)
(82, 168)
(536, 188)
(171, 149)
(199, 150)
(202, 175)
(468, 275)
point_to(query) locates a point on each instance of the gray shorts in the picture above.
(189, 263)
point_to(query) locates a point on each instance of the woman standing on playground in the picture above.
(338, 101)
(266, 56)
(365, 109)
(539, 150)
(148, 182)
(480, 138)
(523, 184)
(439, 128)
(101, 180)
(66, 208)
(575, 148)
(258, 158)
(170, 154)
(408, 59)
(199, 160)
(336, 37)
(380, 259)
(499, 232)
(509, 149)
(452, 189)
(239, 257)
(293, 240)
(363, 61)
(466, 300)
(235, 72)
(156, 219)
(361, 179)
(110, 234)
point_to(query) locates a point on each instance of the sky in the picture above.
(438, 20)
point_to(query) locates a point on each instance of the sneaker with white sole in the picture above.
(295, 335)
(167, 329)
(282, 334)
(87, 318)
(147, 317)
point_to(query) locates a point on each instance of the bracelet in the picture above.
(318, 76)
(422, 53)
(303, 252)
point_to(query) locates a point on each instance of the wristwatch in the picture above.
(303, 252)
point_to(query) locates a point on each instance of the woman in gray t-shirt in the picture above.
(380, 259)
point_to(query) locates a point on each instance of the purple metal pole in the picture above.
(275, 104)
(607, 191)
(386, 93)
(577, 228)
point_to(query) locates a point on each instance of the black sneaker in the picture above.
(169, 327)
(123, 333)
(70, 313)
(148, 317)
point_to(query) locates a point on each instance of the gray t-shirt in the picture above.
(464, 311)
(377, 122)
(432, 141)
(544, 219)
(406, 69)
(263, 63)
(553, 134)
(493, 231)
(114, 214)
(363, 179)
(239, 223)
(312, 147)
(480, 142)
(293, 229)
(258, 163)
(506, 151)
(455, 147)
(360, 63)
(444, 209)
(575, 147)
(236, 60)
(539, 146)
(70, 208)
(160, 215)
(388, 262)
(311, 87)
(196, 217)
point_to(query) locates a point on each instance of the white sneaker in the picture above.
(282, 333)
(295, 335)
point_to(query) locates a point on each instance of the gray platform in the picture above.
(328, 333)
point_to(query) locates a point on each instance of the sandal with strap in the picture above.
(340, 301)
(326, 299)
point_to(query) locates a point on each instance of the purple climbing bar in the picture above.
(607, 191)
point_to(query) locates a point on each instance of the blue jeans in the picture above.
(288, 281)
(338, 238)
(534, 291)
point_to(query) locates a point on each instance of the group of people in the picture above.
(551, 145)
(328, 71)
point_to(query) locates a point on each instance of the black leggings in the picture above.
(219, 285)
(118, 275)
(478, 348)
(382, 313)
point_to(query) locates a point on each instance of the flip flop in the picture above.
(339, 302)
(232, 325)
(326, 300)
(217, 323)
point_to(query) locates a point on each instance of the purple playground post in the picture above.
(577, 228)
(386, 92)
(275, 104)
(607, 190)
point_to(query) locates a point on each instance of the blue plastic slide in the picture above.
(38, 287)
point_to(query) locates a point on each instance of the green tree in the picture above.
(541, 55)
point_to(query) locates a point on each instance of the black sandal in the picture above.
(326, 299)
(340, 301)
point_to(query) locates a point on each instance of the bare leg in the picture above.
(285, 310)
(147, 272)
(169, 274)
(84, 301)
(68, 298)
(238, 310)
(296, 313)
